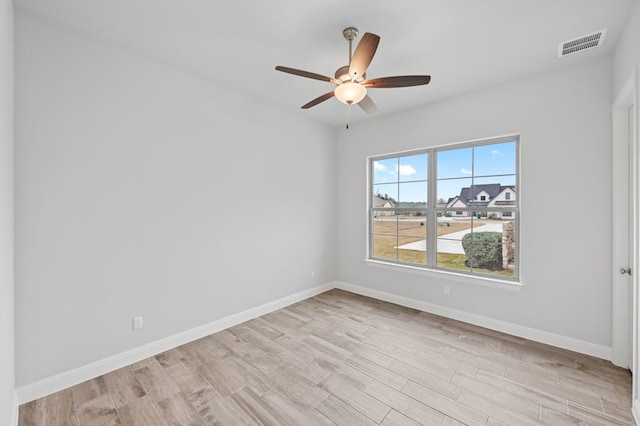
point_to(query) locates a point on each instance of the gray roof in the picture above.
(492, 189)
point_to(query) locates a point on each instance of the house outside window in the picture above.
(426, 210)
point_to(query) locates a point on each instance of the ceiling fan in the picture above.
(351, 80)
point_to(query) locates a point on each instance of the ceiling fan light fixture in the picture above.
(350, 92)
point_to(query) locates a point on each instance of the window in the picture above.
(426, 209)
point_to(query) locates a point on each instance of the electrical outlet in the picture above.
(447, 290)
(137, 323)
(313, 274)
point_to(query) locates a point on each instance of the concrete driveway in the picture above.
(452, 243)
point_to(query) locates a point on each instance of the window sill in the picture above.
(449, 276)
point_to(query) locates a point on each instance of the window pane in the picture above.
(412, 237)
(384, 195)
(412, 194)
(385, 170)
(450, 253)
(485, 246)
(451, 190)
(496, 159)
(455, 163)
(384, 222)
(384, 247)
(384, 232)
(412, 168)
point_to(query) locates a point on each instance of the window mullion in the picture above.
(432, 214)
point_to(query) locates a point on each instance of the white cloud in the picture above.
(406, 170)
(379, 167)
(496, 152)
(465, 171)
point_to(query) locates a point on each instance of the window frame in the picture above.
(432, 211)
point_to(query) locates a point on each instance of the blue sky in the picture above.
(404, 178)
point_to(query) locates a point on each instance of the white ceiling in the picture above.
(462, 44)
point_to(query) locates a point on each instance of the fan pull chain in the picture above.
(348, 115)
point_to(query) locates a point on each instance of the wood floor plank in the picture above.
(256, 408)
(363, 351)
(309, 369)
(522, 391)
(195, 353)
(491, 399)
(155, 381)
(89, 390)
(422, 363)
(57, 409)
(249, 352)
(373, 370)
(362, 402)
(186, 378)
(251, 376)
(589, 416)
(123, 386)
(98, 411)
(27, 415)
(448, 421)
(172, 356)
(299, 385)
(294, 411)
(551, 416)
(176, 410)
(225, 381)
(263, 327)
(140, 412)
(342, 414)
(347, 373)
(214, 409)
(443, 387)
(395, 418)
(401, 402)
(491, 406)
(445, 405)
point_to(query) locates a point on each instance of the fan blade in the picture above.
(368, 105)
(364, 54)
(307, 74)
(318, 100)
(399, 81)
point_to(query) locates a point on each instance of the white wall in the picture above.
(142, 190)
(563, 118)
(7, 366)
(627, 53)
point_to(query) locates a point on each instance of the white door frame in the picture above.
(624, 223)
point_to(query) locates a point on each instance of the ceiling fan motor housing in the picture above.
(342, 74)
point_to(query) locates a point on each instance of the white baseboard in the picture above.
(64, 380)
(635, 410)
(14, 421)
(536, 335)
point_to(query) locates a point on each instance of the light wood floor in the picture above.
(339, 358)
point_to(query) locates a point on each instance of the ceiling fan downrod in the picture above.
(350, 34)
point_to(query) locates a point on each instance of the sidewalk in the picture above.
(452, 243)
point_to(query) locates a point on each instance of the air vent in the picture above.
(579, 44)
